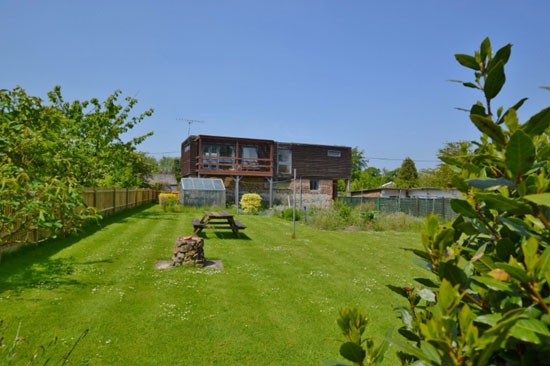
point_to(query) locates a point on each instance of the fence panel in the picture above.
(419, 207)
(106, 200)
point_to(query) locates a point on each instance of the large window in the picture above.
(249, 155)
(218, 156)
(284, 161)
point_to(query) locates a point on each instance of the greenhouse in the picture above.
(202, 192)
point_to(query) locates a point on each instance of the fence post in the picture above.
(417, 208)
(114, 200)
(94, 191)
(378, 204)
(443, 208)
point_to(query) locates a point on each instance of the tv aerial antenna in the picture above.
(189, 123)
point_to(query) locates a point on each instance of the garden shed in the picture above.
(202, 192)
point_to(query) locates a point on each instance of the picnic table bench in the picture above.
(217, 220)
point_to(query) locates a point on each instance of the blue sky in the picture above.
(358, 73)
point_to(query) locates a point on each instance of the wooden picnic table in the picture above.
(217, 220)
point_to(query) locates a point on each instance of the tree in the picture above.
(50, 152)
(358, 162)
(407, 176)
(487, 301)
(94, 137)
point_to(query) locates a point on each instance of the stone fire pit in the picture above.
(189, 251)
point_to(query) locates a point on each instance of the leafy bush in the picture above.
(50, 152)
(344, 211)
(358, 349)
(287, 214)
(251, 202)
(163, 197)
(490, 302)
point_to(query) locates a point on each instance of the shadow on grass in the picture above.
(31, 266)
(230, 235)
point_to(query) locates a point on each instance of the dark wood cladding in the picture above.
(310, 161)
(189, 158)
(313, 161)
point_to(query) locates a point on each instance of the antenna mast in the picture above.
(189, 123)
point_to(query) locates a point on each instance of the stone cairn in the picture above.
(189, 251)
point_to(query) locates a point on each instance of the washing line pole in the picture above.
(294, 208)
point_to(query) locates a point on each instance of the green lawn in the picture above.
(275, 302)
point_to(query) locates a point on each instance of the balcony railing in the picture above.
(227, 165)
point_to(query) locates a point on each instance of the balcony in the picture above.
(234, 156)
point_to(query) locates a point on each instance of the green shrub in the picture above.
(490, 301)
(287, 214)
(357, 348)
(251, 202)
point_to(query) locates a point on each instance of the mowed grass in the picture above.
(275, 302)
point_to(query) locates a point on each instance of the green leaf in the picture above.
(380, 351)
(353, 352)
(542, 199)
(543, 265)
(426, 294)
(462, 207)
(467, 61)
(493, 337)
(530, 330)
(495, 80)
(502, 55)
(486, 125)
(470, 85)
(493, 284)
(505, 248)
(485, 49)
(520, 153)
(490, 183)
(452, 273)
(406, 316)
(515, 272)
(409, 349)
(538, 123)
(516, 107)
(430, 352)
(511, 120)
(498, 202)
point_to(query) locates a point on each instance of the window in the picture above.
(314, 184)
(249, 154)
(334, 153)
(186, 148)
(218, 156)
(284, 161)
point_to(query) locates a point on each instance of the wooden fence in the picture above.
(106, 200)
(111, 200)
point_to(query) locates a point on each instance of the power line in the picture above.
(366, 157)
(396, 159)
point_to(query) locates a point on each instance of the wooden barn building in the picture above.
(266, 167)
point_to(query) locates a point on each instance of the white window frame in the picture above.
(289, 163)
